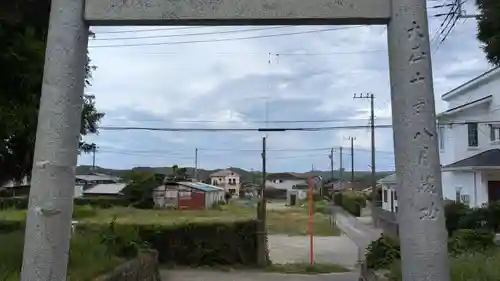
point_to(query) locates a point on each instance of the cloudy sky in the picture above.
(214, 80)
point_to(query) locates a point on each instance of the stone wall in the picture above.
(143, 268)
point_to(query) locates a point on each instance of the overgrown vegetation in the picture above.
(88, 257)
(471, 246)
(351, 202)
(21, 203)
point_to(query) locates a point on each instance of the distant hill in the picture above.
(255, 176)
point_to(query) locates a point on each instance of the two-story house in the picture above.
(469, 144)
(290, 180)
(469, 141)
(226, 179)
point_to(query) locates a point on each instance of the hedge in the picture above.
(21, 203)
(350, 203)
(190, 244)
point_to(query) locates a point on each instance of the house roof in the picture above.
(224, 173)
(196, 185)
(488, 158)
(106, 188)
(94, 177)
(473, 83)
(288, 176)
(201, 186)
(392, 178)
(455, 109)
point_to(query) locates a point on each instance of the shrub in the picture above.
(476, 218)
(189, 244)
(80, 212)
(382, 253)
(322, 207)
(21, 203)
(351, 203)
(464, 240)
(87, 257)
(7, 226)
(18, 203)
(475, 266)
(102, 202)
(454, 213)
(337, 198)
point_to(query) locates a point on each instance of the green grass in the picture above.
(290, 221)
(306, 268)
(88, 258)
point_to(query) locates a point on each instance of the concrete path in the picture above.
(246, 275)
(330, 249)
(361, 234)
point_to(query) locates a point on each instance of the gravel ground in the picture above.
(330, 249)
(244, 275)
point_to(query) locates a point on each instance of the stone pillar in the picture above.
(422, 229)
(48, 226)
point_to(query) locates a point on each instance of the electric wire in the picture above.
(191, 34)
(224, 39)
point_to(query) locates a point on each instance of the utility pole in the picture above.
(196, 164)
(93, 156)
(261, 213)
(341, 169)
(331, 164)
(371, 97)
(352, 159)
(48, 224)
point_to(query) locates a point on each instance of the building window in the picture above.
(385, 195)
(494, 132)
(472, 134)
(394, 195)
(441, 137)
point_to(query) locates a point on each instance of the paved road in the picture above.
(209, 275)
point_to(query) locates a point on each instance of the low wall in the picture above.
(387, 221)
(143, 268)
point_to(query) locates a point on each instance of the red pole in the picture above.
(310, 223)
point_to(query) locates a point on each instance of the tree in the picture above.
(23, 29)
(140, 187)
(489, 29)
(178, 174)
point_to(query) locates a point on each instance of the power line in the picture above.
(271, 121)
(312, 129)
(224, 39)
(177, 152)
(150, 30)
(275, 54)
(190, 34)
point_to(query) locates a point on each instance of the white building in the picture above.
(226, 179)
(389, 193)
(469, 144)
(469, 140)
(290, 180)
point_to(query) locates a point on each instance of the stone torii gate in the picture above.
(421, 216)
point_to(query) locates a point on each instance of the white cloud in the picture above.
(303, 77)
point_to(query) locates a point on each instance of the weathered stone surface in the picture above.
(236, 12)
(143, 268)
